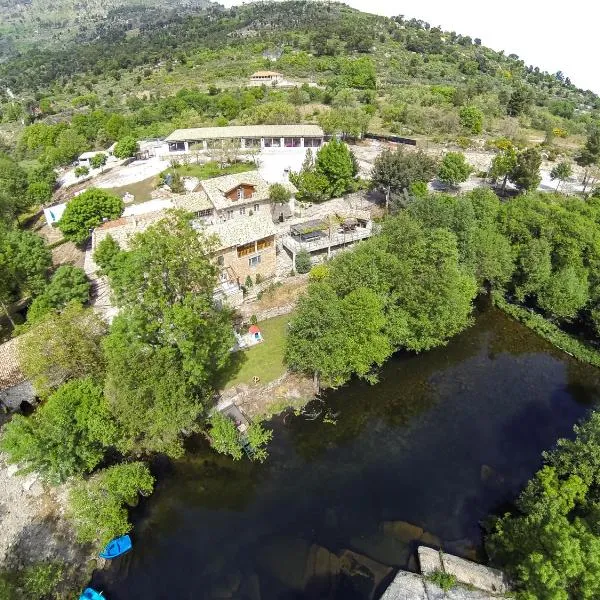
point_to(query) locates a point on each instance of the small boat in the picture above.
(90, 594)
(116, 547)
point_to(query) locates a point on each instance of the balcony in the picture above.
(328, 240)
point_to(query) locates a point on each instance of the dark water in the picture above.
(442, 441)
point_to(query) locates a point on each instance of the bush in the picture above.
(98, 160)
(279, 194)
(81, 171)
(471, 119)
(442, 579)
(303, 262)
(86, 211)
(126, 147)
(454, 169)
(98, 507)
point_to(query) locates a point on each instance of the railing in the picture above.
(327, 240)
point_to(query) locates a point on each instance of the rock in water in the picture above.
(407, 532)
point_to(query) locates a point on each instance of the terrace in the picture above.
(317, 236)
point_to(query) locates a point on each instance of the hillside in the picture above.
(355, 71)
(29, 23)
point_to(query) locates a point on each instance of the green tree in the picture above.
(549, 545)
(396, 171)
(81, 171)
(454, 169)
(107, 254)
(68, 284)
(590, 153)
(38, 192)
(335, 338)
(519, 102)
(126, 147)
(526, 173)
(565, 293)
(503, 164)
(279, 194)
(13, 189)
(562, 171)
(98, 160)
(24, 264)
(303, 262)
(66, 436)
(352, 122)
(471, 119)
(334, 161)
(169, 343)
(534, 268)
(86, 211)
(98, 507)
(224, 436)
(359, 73)
(62, 346)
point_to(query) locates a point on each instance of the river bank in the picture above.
(35, 530)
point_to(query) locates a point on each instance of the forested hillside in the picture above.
(392, 75)
(29, 23)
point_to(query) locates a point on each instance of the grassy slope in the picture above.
(266, 359)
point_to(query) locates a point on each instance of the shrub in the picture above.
(126, 147)
(279, 194)
(81, 171)
(98, 507)
(442, 579)
(98, 160)
(303, 262)
(454, 169)
(86, 211)
(471, 119)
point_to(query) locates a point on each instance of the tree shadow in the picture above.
(233, 367)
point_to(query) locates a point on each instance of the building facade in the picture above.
(244, 137)
(229, 197)
(266, 78)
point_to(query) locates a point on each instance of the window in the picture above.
(256, 207)
(262, 244)
(207, 212)
(220, 260)
(246, 249)
(176, 146)
(229, 215)
(253, 143)
(254, 261)
(312, 142)
(291, 142)
(272, 142)
(243, 210)
(240, 193)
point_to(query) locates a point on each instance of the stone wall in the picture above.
(241, 265)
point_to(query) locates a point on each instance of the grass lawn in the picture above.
(212, 169)
(264, 360)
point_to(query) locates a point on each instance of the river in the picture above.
(443, 440)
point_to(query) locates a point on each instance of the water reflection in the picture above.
(444, 439)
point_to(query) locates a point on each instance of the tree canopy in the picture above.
(454, 169)
(66, 436)
(86, 211)
(168, 344)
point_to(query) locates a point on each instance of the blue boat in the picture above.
(90, 594)
(117, 547)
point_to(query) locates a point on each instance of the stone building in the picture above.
(237, 196)
(244, 137)
(246, 248)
